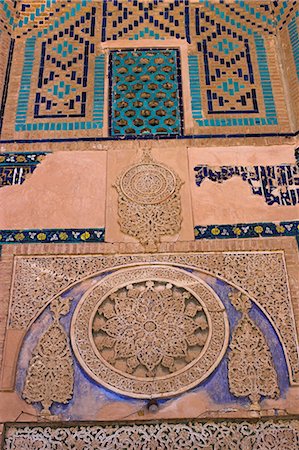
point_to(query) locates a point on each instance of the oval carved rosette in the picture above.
(150, 331)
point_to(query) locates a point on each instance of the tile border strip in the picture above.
(132, 138)
(52, 235)
(247, 230)
(201, 232)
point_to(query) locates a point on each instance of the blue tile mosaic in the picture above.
(247, 230)
(145, 92)
(230, 76)
(133, 19)
(61, 91)
(228, 86)
(15, 167)
(294, 38)
(279, 185)
(52, 236)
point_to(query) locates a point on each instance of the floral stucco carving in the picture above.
(226, 435)
(50, 376)
(149, 331)
(149, 203)
(251, 372)
(262, 275)
(150, 325)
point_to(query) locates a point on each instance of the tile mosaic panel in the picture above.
(279, 185)
(282, 11)
(45, 15)
(63, 76)
(233, 74)
(15, 167)
(230, 80)
(136, 19)
(145, 92)
(7, 14)
(293, 28)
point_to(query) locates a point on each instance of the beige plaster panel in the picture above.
(14, 409)
(242, 155)
(118, 161)
(13, 342)
(67, 190)
(233, 201)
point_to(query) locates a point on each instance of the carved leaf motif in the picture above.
(50, 374)
(251, 371)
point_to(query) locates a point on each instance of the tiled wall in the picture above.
(288, 32)
(7, 17)
(62, 55)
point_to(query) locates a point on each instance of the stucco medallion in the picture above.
(149, 331)
(149, 201)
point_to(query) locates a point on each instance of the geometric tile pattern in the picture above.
(61, 90)
(223, 79)
(7, 14)
(145, 92)
(154, 18)
(279, 185)
(283, 11)
(62, 80)
(15, 167)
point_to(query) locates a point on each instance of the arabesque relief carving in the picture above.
(262, 275)
(149, 331)
(149, 203)
(150, 326)
(224, 435)
(50, 375)
(251, 372)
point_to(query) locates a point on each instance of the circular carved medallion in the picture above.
(151, 331)
(148, 183)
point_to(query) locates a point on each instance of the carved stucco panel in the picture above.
(274, 435)
(162, 321)
(262, 275)
(149, 202)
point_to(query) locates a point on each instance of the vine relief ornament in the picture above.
(220, 435)
(50, 375)
(149, 331)
(149, 203)
(251, 372)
